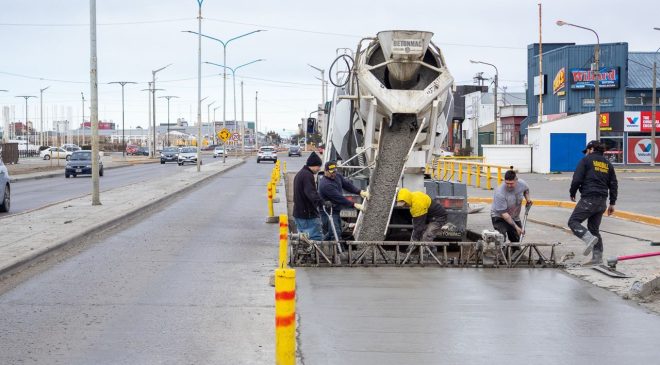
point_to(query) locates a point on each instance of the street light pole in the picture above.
(498, 122)
(208, 115)
(153, 101)
(94, 86)
(595, 68)
(41, 117)
(82, 127)
(5, 132)
(26, 130)
(256, 120)
(242, 122)
(152, 95)
(168, 97)
(653, 106)
(123, 131)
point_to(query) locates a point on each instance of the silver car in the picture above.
(5, 188)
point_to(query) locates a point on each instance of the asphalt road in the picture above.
(31, 194)
(185, 285)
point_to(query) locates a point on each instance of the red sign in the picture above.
(647, 121)
(102, 125)
(639, 150)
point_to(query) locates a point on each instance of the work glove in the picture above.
(327, 205)
(359, 207)
(364, 194)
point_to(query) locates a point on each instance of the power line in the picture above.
(99, 24)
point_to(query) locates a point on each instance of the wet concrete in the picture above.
(186, 285)
(467, 316)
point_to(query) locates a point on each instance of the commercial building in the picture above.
(567, 89)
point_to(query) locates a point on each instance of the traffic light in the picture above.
(311, 125)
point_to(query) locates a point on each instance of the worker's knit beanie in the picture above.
(314, 160)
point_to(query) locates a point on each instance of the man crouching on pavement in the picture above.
(428, 216)
(594, 176)
(507, 204)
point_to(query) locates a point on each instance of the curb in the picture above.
(639, 170)
(137, 212)
(642, 289)
(49, 175)
(620, 214)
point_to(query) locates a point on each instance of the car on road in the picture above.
(187, 155)
(142, 151)
(295, 151)
(267, 153)
(70, 147)
(218, 151)
(131, 149)
(55, 152)
(80, 163)
(169, 154)
(5, 188)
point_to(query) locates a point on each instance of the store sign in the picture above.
(591, 103)
(540, 87)
(647, 120)
(583, 78)
(604, 122)
(559, 82)
(632, 122)
(639, 150)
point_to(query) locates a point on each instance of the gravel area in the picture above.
(394, 145)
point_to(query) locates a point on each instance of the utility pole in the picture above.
(153, 101)
(123, 131)
(41, 118)
(256, 120)
(96, 199)
(5, 134)
(82, 127)
(541, 79)
(653, 104)
(208, 113)
(168, 97)
(242, 122)
(152, 94)
(199, 84)
(25, 129)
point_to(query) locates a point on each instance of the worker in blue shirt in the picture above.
(331, 187)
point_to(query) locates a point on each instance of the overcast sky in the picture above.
(46, 43)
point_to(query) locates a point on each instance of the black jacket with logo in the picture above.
(306, 199)
(594, 176)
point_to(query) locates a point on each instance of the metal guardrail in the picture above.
(450, 168)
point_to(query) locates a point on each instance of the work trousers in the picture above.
(507, 230)
(431, 231)
(311, 226)
(327, 227)
(591, 209)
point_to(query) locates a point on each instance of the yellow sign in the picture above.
(224, 135)
(560, 81)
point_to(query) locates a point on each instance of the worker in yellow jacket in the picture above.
(428, 217)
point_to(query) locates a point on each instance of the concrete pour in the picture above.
(394, 145)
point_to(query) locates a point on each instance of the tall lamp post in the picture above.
(323, 96)
(6, 127)
(41, 117)
(152, 94)
(224, 62)
(168, 97)
(208, 116)
(123, 130)
(26, 130)
(82, 127)
(595, 68)
(653, 105)
(215, 138)
(153, 102)
(233, 76)
(498, 123)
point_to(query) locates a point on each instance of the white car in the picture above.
(55, 152)
(218, 151)
(187, 155)
(267, 153)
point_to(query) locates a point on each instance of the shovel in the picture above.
(332, 225)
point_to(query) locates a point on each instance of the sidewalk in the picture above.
(28, 236)
(37, 168)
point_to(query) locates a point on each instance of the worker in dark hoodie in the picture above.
(331, 188)
(594, 177)
(306, 199)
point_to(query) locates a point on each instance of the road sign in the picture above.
(235, 137)
(224, 134)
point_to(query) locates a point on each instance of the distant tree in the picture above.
(273, 137)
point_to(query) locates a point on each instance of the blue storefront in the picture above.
(567, 88)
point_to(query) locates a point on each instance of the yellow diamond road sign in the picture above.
(224, 135)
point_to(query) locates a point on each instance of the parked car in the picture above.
(131, 149)
(55, 152)
(187, 155)
(267, 153)
(218, 151)
(142, 151)
(71, 147)
(169, 154)
(80, 163)
(5, 188)
(295, 151)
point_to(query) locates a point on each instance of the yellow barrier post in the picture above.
(469, 174)
(284, 241)
(460, 172)
(444, 169)
(271, 213)
(499, 176)
(452, 170)
(477, 177)
(488, 178)
(285, 316)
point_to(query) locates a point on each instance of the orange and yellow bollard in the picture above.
(271, 212)
(284, 240)
(285, 316)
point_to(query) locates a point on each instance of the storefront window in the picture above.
(613, 146)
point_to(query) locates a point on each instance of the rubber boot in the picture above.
(596, 259)
(590, 240)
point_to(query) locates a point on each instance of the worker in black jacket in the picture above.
(306, 199)
(594, 177)
(331, 188)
